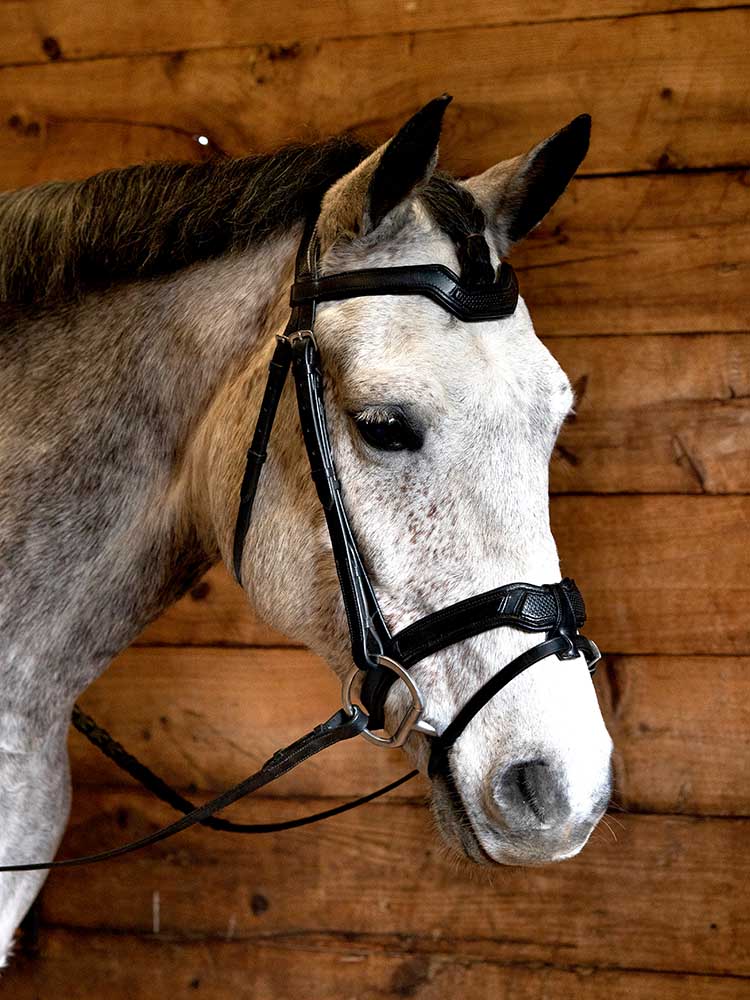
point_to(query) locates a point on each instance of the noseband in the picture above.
(380, 658)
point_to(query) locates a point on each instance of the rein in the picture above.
(380, 658)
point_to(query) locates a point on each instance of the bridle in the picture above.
(380, 658)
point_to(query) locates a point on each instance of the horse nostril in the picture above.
(530, 794)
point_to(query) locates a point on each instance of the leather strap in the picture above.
(553, 608)
(155, 784)
(519, 605)
(340, 726)
(302, 317)
(256, 454)
(433, 281)
(441, 745)
(368, 632)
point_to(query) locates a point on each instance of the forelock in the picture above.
(456, 212)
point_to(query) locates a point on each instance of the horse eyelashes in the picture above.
(387, 430)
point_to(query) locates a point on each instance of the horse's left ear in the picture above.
(516, 194)
(362, 200)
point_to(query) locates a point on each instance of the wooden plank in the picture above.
(624, 255)
(67, 149)
(49, 30)
(684, 72)
(661, 574)
(681, 727)
(206, 717)
(81, 965)
(655, 414)
(668, 895)
(214, 612)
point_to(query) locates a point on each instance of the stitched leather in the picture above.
(256, 454)
(368, 631)
(339, 727)
(519, 605)
(522, 606)
(434, 281)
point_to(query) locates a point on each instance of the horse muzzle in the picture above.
(525, 814)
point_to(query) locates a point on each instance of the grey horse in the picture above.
(138, 311)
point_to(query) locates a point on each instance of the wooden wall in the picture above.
(639, 284)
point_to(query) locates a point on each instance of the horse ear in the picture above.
(361, 200)
(516, 194)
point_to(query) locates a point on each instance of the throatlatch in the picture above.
(380, 658)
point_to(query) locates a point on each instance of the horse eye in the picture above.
(387, 431)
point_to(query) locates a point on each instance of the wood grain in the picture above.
(681, 728)
(207, 717)
(662, 897)
(67, 149)
(214, 612)
(80, 965)
(49, 30)
(660, 574)
(655, 415)
(652, 254)
(688, 70)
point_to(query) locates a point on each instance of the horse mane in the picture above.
(62, 239)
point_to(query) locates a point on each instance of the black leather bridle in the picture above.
(380, 658)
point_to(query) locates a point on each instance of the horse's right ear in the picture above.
(373, 192)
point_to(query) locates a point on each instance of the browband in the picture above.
(433, 281)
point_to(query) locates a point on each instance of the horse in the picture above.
(138, 313)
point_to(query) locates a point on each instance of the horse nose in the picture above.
(530, 795)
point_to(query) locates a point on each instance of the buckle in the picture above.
(295, 335)
(411, 722)
(591, 652)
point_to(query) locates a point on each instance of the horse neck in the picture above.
(101, 524)
(219, 446)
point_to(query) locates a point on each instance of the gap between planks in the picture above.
(345, 941)
(400, 801)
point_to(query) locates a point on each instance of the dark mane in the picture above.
(60, 240)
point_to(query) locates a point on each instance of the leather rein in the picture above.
(380, 658)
